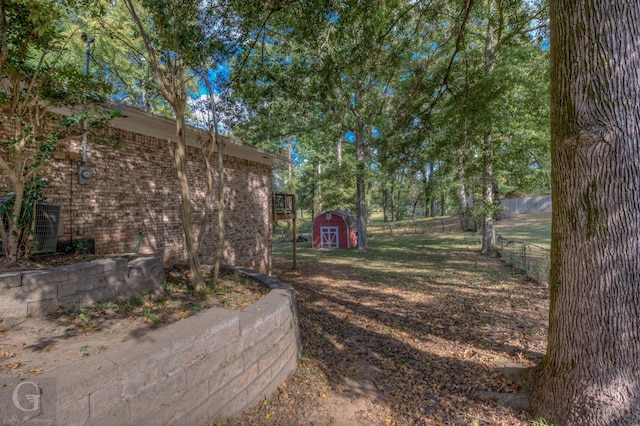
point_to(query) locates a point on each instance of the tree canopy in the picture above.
(402, 85)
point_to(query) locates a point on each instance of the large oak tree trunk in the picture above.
(591, 372)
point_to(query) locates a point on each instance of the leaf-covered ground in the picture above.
(419, 330)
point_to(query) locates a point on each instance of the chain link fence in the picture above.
(530, 258)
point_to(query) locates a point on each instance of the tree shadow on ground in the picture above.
(418, 339)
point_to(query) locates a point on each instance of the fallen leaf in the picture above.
(36, 372)
(14, 365)
(6, 354)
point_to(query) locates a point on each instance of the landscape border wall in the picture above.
(43, 291)
(212, 365)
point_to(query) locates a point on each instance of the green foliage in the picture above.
(34, 42)
(411, 83)
(33, 193)
(150, 316)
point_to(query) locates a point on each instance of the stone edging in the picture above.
(42, 291)
(212, 365)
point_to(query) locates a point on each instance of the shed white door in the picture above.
(329, 237)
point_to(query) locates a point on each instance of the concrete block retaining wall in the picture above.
(210, 366)
(41, 292)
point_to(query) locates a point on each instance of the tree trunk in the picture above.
(319, 192)
(462, 193)
(385, 198)
(393, 199)
(432, 204)
(219, 144)
(220, 251)
(427, 199)
(172, 83)
(185, 203)
(591, 372)
(463, 204)
(488, 230)
(290, 161)
(399, 214)
(361, 187)
(11, 245)
(415, 206)
(15, 236)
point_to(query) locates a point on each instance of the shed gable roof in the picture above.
(349, 218)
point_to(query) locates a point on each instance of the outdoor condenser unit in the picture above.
(45, 235)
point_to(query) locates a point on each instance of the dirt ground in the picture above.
(31, 346)
(395, 353)
(444, 349)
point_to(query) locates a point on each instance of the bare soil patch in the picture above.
(31, 346)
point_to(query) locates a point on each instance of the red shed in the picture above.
(335, 229)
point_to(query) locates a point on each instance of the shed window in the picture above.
(328, 216)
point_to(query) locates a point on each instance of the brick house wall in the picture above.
(134, 189)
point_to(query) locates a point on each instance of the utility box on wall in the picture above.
(84, 175)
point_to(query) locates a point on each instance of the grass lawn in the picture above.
(417, 330)
(532, 228)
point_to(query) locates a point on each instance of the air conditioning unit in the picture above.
(45, 233)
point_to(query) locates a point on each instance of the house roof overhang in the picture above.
(138, 121)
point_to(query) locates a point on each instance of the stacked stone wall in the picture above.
(43, 291)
